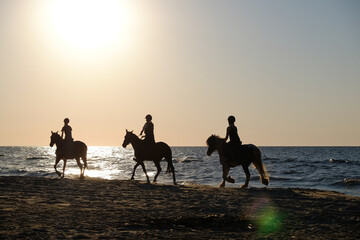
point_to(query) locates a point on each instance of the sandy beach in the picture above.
(44, 208)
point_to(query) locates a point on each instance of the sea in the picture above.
(326, 168)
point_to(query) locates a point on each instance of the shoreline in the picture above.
(39, 208)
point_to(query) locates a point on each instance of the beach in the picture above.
(50, 208)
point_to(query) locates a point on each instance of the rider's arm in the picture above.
(227, 134)
(143, 129)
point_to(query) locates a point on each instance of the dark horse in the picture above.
(76, 150)
(245, 155)
(154, 153)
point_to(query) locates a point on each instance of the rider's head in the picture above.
(231, 119)
(66, 121)
(148, 117)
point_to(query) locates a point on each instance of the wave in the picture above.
(304, 164)
(348, 182)
(339, 160)
(352, 181)
(25, 173)
(280, 178)
(189, 183)
(186, 159)
(270, 158)
(290, 172)
(36, 158)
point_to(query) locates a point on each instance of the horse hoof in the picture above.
(62, 177)
(82, 177)
(230, 179)
(243, 186)
(265, 182)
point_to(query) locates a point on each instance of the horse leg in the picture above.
(143, 167)
(226, 170)
(136, 165)
(157, 164)
(56, 163)
(80, 166)
(63, 173)
(85, 163)
(246, 170)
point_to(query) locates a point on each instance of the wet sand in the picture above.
(44, 208)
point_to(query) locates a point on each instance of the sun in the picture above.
(89, 25)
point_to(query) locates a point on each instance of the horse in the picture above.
(245, 155)
(153, 153)
(76, 150)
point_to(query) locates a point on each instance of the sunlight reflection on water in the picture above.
(307, 167)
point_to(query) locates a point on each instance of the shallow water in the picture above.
(328, 168)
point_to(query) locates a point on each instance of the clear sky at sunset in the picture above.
(289, 71)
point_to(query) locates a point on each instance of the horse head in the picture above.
(212, 143)
(129, 137)
(54, 138)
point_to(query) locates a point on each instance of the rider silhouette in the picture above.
(149, 138)
(68, 136)
(148, 129)
(234, 144)
(67, 131)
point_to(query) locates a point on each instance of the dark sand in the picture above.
(39, 208)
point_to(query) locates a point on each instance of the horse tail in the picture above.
(170, 164)
(168, 158)
(170, 167)
(85, 163)
(85, 157)
(264, 177)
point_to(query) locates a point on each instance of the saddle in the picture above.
(146, 150)
(235, 153)
(66, 150)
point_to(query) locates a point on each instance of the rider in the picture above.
(148, 129)
(231, 132)
(68, 136)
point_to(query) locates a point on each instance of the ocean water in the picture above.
(327, 168)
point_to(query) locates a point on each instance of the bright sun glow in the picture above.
(89, 25)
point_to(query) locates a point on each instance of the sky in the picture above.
(289, 71)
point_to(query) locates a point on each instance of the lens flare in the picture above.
(265, 216)
(269, 220)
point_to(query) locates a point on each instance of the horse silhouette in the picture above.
(242, 155)
(77, 150)
(155, 152)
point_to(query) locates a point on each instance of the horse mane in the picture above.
(211, 141)
(133, 134)
(56, 134)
